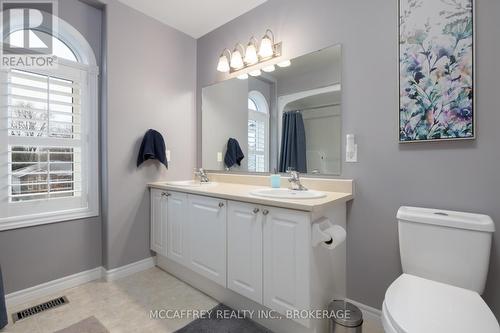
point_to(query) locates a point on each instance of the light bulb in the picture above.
(255, 72)
(251, 55)
(266, 47)
(236, 60)
(223, 65)
(285, 63)
(269, 69)
(242, 76)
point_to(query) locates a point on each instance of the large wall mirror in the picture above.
(287, 119)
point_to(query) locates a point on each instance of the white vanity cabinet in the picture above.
(206, 237)
(268, 255)
(177, 236)
(190, 230)
(286, 247)
(261, 252)
(158, 235)
(244, 250)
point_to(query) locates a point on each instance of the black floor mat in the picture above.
(218, 324)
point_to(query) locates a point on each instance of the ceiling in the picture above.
(194, 17)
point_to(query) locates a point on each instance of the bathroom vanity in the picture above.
(252, 252)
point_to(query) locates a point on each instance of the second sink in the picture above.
(189, 183)
(284, 193)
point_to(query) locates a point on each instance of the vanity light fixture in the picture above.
(223, 64)
(237, 58)
(255, 53)
(243, 76)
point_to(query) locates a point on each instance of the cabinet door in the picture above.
(244, 250)
(207, 237)
(158, 221)
(286, 259)
(177, 227)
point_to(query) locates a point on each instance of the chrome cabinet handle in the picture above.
(165, 194)
(221, 204)
(265, 212)
(256, 210)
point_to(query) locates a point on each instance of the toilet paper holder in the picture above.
(327, 234)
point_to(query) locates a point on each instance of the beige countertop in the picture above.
(241, 192)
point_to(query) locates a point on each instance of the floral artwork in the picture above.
(436, 67)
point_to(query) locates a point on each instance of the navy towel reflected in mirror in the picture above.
(234, 154)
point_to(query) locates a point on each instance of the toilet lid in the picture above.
(416, 305)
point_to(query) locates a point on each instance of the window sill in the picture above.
(40, 219)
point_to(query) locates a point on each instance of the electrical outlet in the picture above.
(219, 157)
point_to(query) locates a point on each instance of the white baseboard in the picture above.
(51, 287)
(369, 312)
(55, 286)
(119, 272)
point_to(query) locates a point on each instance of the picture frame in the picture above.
(436, 70)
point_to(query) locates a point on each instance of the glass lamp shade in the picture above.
(237, 60)
(285, 63)
(251, 55)
(223, 65)
(242, 76)
(255, 72)
(269, 69)
(266, 47)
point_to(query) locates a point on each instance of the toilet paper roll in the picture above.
(327, 234)
(337, 236)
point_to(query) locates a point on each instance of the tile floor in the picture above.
(124, 305)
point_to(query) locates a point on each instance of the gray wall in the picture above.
(151, 80)
(30, 256)
(459, 175)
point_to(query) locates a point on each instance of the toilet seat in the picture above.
(415, 305)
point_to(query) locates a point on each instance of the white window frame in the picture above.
(261, 115)
(86, 72)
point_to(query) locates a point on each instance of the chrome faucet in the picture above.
(203, 176)
(295, 182)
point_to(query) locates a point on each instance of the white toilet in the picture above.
(445, 257)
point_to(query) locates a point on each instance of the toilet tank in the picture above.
(445, 246)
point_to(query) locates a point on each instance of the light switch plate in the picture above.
(219, 157)
(352, 156)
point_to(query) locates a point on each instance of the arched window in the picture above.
(49, 173)
(252, 106)
(59, 48)
(258, 132)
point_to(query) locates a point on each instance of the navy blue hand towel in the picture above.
(3, 308)
(152, 147)
(234, 155)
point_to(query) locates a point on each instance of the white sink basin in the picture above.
(189, 183)
(284, 193)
